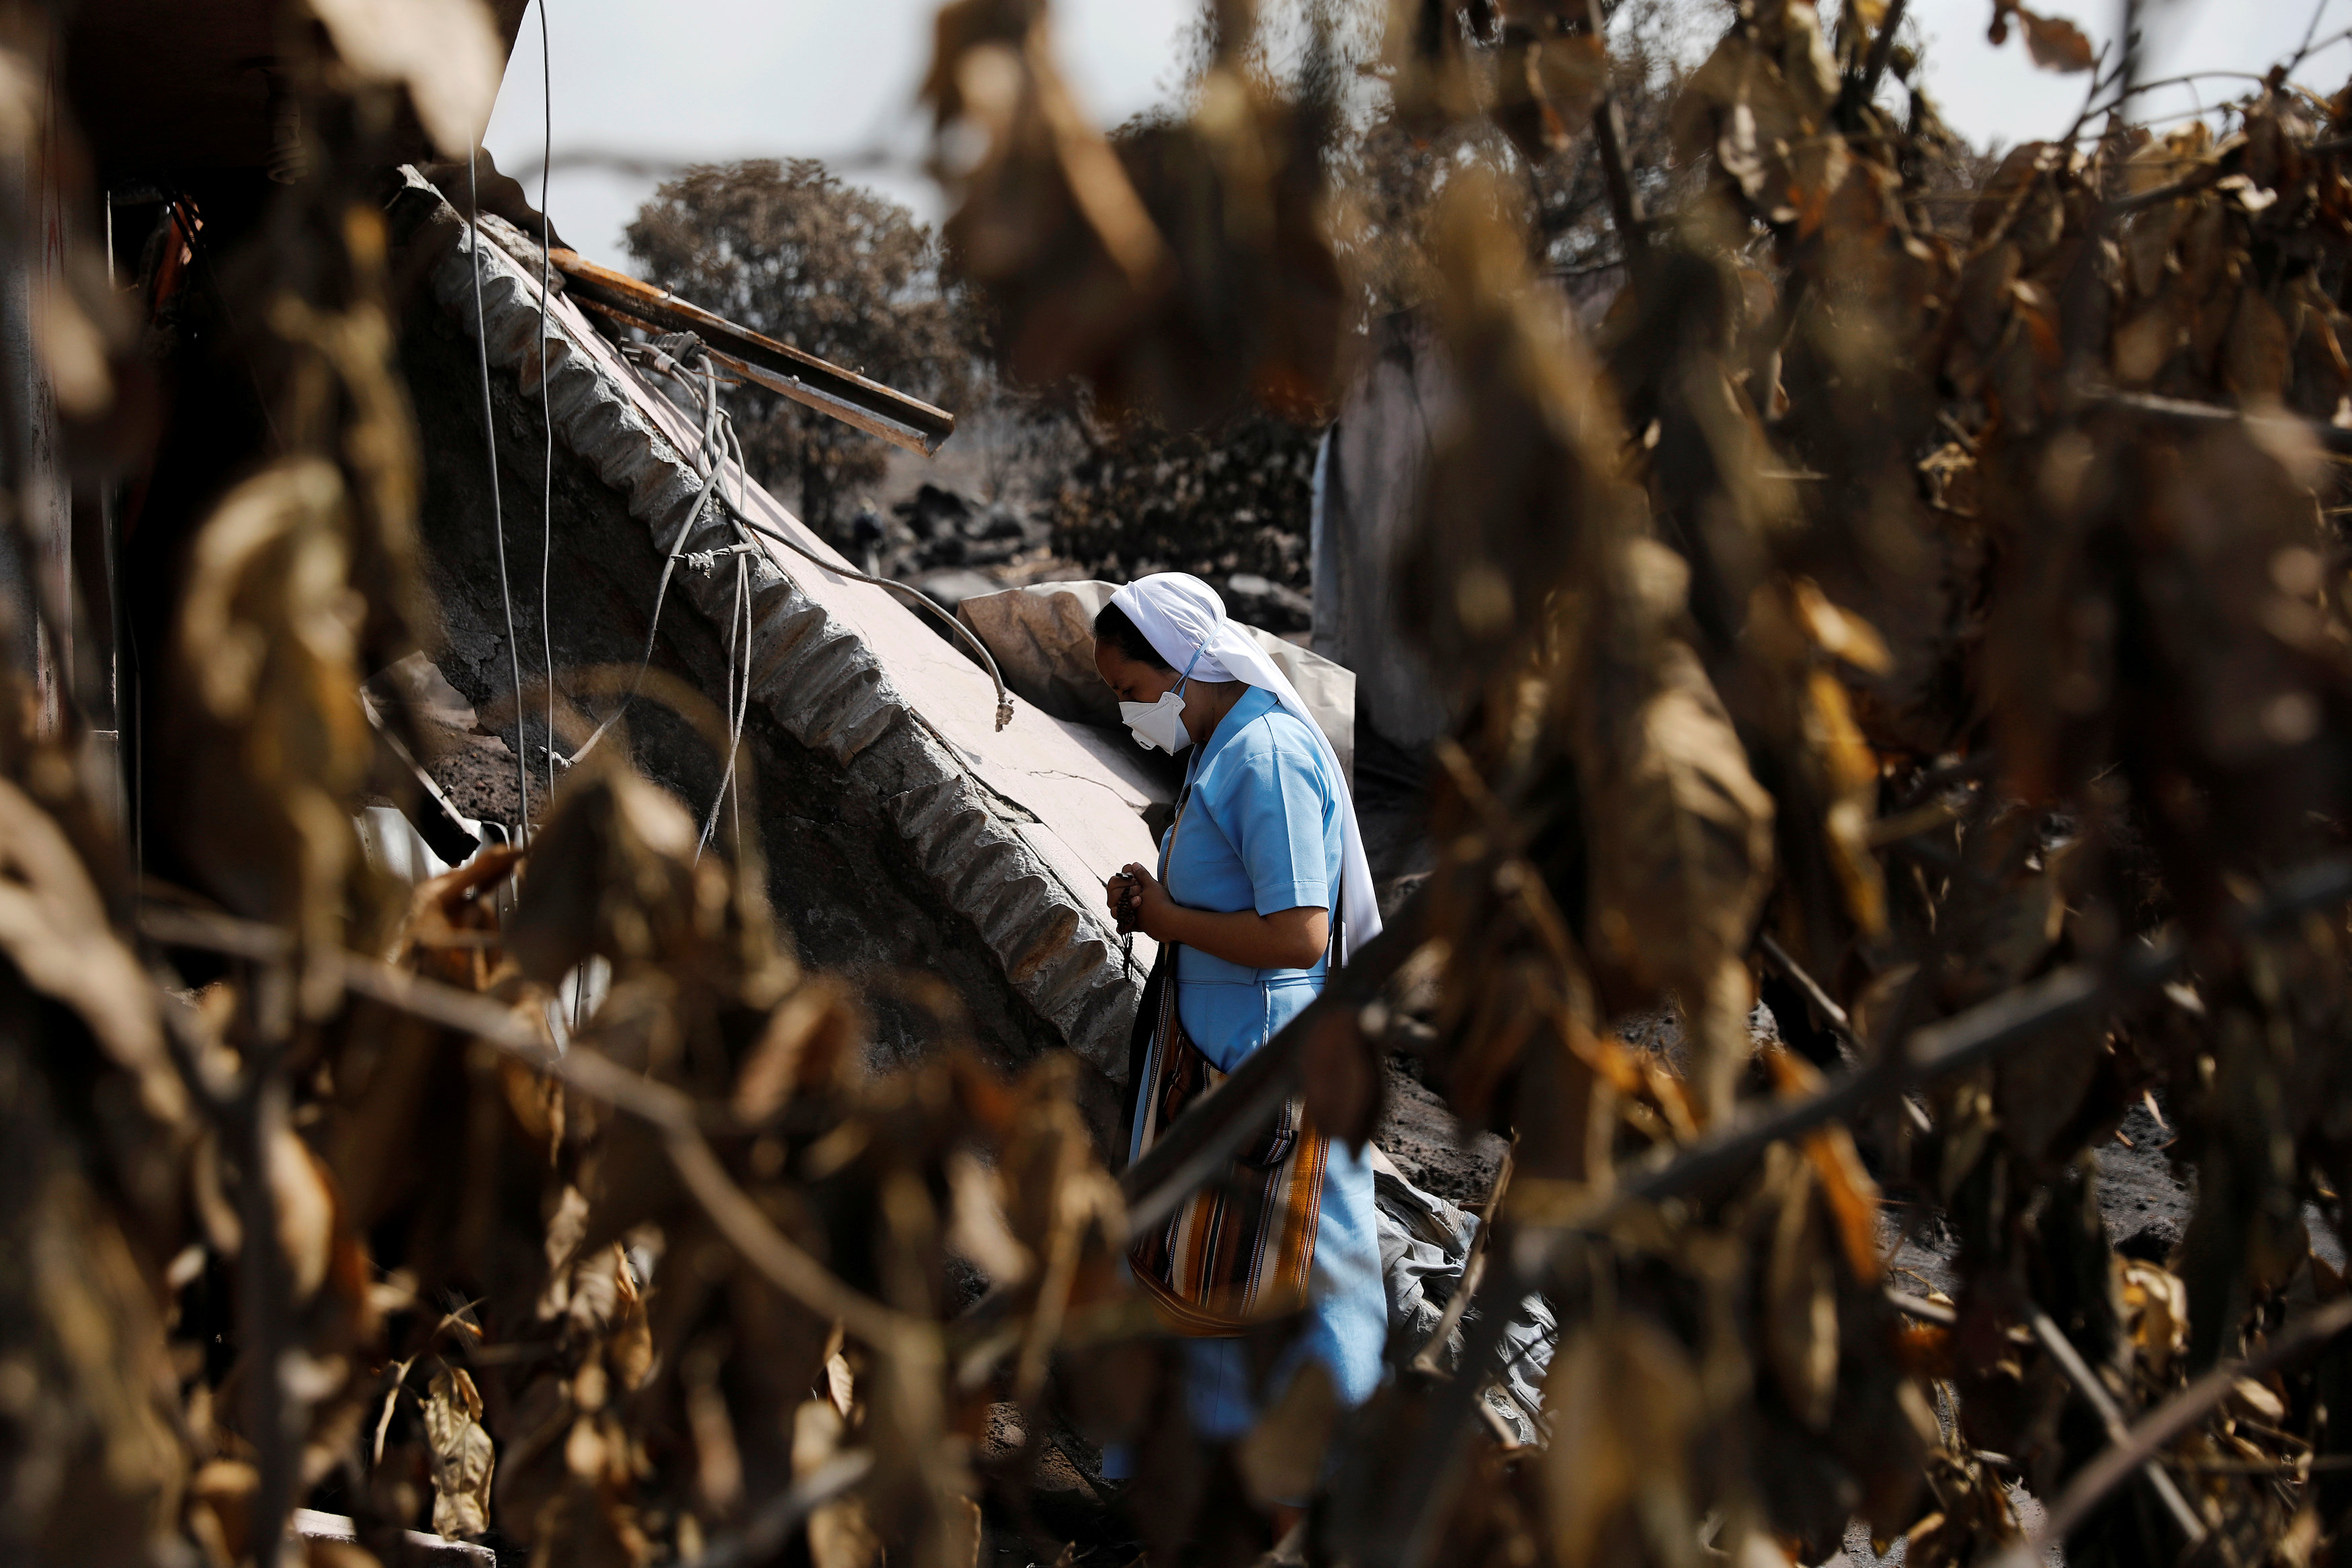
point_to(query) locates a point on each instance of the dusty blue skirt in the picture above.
(1347, 1315)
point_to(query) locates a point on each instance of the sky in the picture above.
(666, 82)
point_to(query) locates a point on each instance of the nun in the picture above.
(1261, 886)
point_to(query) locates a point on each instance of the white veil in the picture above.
(1179, 615)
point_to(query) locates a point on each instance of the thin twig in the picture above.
(1882, 51)
(1548, 1245)
(1473, 1270)
(1608, 132)
(2095, 1394)
(668, 1110)
(759, 1539)
(2176, 1415)
(1841, 1026)
(1926, 1310)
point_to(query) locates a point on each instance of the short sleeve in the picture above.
(1278, 819)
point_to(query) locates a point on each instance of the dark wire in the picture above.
(498, 511)
(546, 411)
(947, 617)
(702, 498)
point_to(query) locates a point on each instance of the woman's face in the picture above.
(1132, 679)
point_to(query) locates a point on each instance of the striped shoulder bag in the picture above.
(1239, 1250)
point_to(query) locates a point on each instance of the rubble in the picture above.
(904, 833)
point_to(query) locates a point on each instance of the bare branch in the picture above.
(2171, 1420)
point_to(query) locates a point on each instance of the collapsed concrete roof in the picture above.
(903, 831)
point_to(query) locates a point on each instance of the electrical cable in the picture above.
(665, 357)
(704, 455)
(963, 633)
(546, 413)
(946, 616)
(737, 701)
(498, 511)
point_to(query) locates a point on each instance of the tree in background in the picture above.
(833, 270)
(1232, 499)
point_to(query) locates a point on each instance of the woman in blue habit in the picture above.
(1263, 851)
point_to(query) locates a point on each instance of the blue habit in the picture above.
(1261, 830)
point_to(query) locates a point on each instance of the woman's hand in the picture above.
(1141, 904)
(1285, 939)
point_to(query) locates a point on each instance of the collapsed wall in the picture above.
(904, 833)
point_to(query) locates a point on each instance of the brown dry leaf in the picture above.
(73, 352)
(1852, 1198)
(1840, 633)
(976, 1229)
(1547, 85)
(1849, 771)
(2155, 1313)
(1524, 474)
(2147, 341)
(810, 1041)
(2255, 362)
(1677, 880)
(1281, 1458)
(2057, 43)
(718, 1460)
(1846, 1183)
(1800, 1304)
(841, 1533)
(629, 1341)
(1344, 1079)
(1624, 1401)
(220, 1507)
(463, 1458)
(444, 52)
(53, 928)
(614, 873)
(269, 713)
(566, 1227)
(305, 1202)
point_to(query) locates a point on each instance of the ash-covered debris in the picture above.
(2143, 1202)
(475, 769)
(1262, 601)
(937, 528)
(1434, 1151)
(955, 546)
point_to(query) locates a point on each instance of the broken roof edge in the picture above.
(813, 673)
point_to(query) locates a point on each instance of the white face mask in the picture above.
(1160, 724)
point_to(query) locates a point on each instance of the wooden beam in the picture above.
(847, 396)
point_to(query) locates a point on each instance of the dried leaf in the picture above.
(978, 1230)
(2155, 1313)
(1546, 89)
(2255, 364)
(1623, 1401)
(2057, 43)
(463, 1458)
(444, 52)
(810, 1042)
(53, 928)
(1344, 1080)
(1678, 879)
(1799, 1306)
(614, 873)
(73, 353)
(841, 1533)
(305, 1203)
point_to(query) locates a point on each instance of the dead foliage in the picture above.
(1961, 609)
